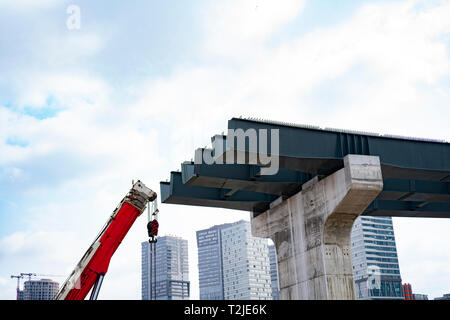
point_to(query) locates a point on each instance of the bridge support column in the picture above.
(311, 230)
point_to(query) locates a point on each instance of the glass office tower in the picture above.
(376, 269)
(172, 270)
(246, 265)
(209, 244)
(233, 265)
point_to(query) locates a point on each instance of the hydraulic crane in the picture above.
(90, 271)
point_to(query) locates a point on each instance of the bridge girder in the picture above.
(416, 172)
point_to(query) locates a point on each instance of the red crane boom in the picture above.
(89, 272)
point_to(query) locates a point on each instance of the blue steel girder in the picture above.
(395, 208)
(321, 152)
(196, 185)
(244, 177)
(287, 182)
(176, 192)
(416, 172)
(415, 190)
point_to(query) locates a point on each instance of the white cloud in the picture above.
(240, 27)
(423, 255)
(67, 48)
(67, 88)
(8, 287)
(400, 54)
(38, 252)
(28, 4)
(254, 20)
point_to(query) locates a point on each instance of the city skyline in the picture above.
(213, 232)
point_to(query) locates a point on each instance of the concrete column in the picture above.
(311, 230)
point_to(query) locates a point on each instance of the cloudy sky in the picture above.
(140, 84)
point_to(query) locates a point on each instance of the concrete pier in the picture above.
(311, 230)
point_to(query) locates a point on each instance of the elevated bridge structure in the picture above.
(305, 186)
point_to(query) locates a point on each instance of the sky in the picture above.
(114, 91)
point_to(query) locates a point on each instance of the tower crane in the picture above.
(28, 274)
(20, 276)
(48, 275)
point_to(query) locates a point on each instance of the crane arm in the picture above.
(94, 264)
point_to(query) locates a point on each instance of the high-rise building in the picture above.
(172, 270)
(210, 271)
(274, 273)
(376, 270)
(44, 289)
(244, 263)
(407, 291)
(409, 295)
(146, 269)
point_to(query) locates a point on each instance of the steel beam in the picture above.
(416, 172)
(243, 177)
(320, 151)
(176, 192)
(395, 208)
(406, 198)
(288, 182)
